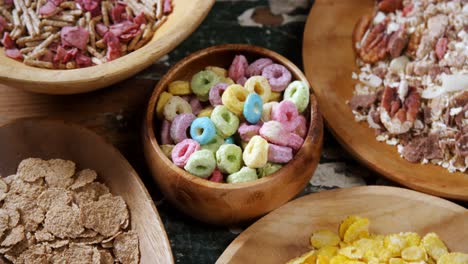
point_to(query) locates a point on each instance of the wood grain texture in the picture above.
(57, 139)
(284, 233)
(225, 204)
(184, 19)
(329, 61)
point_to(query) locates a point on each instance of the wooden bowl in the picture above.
(329, 60)
(57, 139)
(185, 18)
(284, 233)
(220, 203)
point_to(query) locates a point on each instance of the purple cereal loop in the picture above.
(278, 76)
(179, 126)
(165, 133)
(241, 80)
(286, 113)
(279, 154)
(301, 128)
(216, 92)
(295, 141)
(196, 105)
(238, 67)
(183, 150)
(274, 132)
(256, 67)
(246, 131)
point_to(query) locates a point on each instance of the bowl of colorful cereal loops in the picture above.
(232, 132)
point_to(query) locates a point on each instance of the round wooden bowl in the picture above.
(49, 139)
(220, 203)
(185, 18)
(329, 60)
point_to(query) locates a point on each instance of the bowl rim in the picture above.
(315, 118)
(111, 147)
(132, 62)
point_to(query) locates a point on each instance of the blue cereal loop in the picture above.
(202, 130)
(253, 108)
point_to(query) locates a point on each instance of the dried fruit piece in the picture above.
(126, 248)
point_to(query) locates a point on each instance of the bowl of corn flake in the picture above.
(69, 47)
(67, 196)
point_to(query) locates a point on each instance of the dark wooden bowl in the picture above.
(56, 139)
(219, 203)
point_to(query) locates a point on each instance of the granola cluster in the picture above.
(412, 86)
(63, 34)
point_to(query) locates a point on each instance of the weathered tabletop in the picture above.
(117, 112)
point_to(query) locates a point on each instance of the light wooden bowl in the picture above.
(284, 233)
(185, 18)
(225, 204)
(329, 60)
(56, 139)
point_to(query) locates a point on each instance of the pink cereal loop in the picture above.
(216, 92)
(295, 141)
(301, 128)
(286, 113)
(179, 126)
(166, 132)
(256, 67)
(238, 67)
(274, 132)
(279, 154)
(246, 131)
(183, 150)
(278, 76)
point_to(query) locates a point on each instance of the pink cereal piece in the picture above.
(295, 141)
(246, 131)
(241, 80)
(238, 67)
(278, 76)
(165, 133)
(279, 154)
(216, 176)
(196, 105)
(274, 132)
(216, 92)
(256, 67)
(179, 126)
(286, 113)
(183, 150)
(301, 128)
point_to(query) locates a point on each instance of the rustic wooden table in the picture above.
(116, 112)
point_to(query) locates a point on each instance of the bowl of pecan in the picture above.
(392, 82)
(69, 47)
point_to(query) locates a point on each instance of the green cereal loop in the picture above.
(298, 93)
(201, 163)
(202, 82)
(245, 174)
(225, 121)
(229, 158)
(214, 144)
(268, 169)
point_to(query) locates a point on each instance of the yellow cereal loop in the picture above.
(228, 81)
(453, 258)
(351, 252)
(162, 100)
(256, 153)
(346, 223)
(234, 97)
(434, 246)
(357, 230)
(179, 88)
(205, 112)
(222, 73)
(275, 97)
(324, 238)
(307, 258)
(260, 86)
(414, 253)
